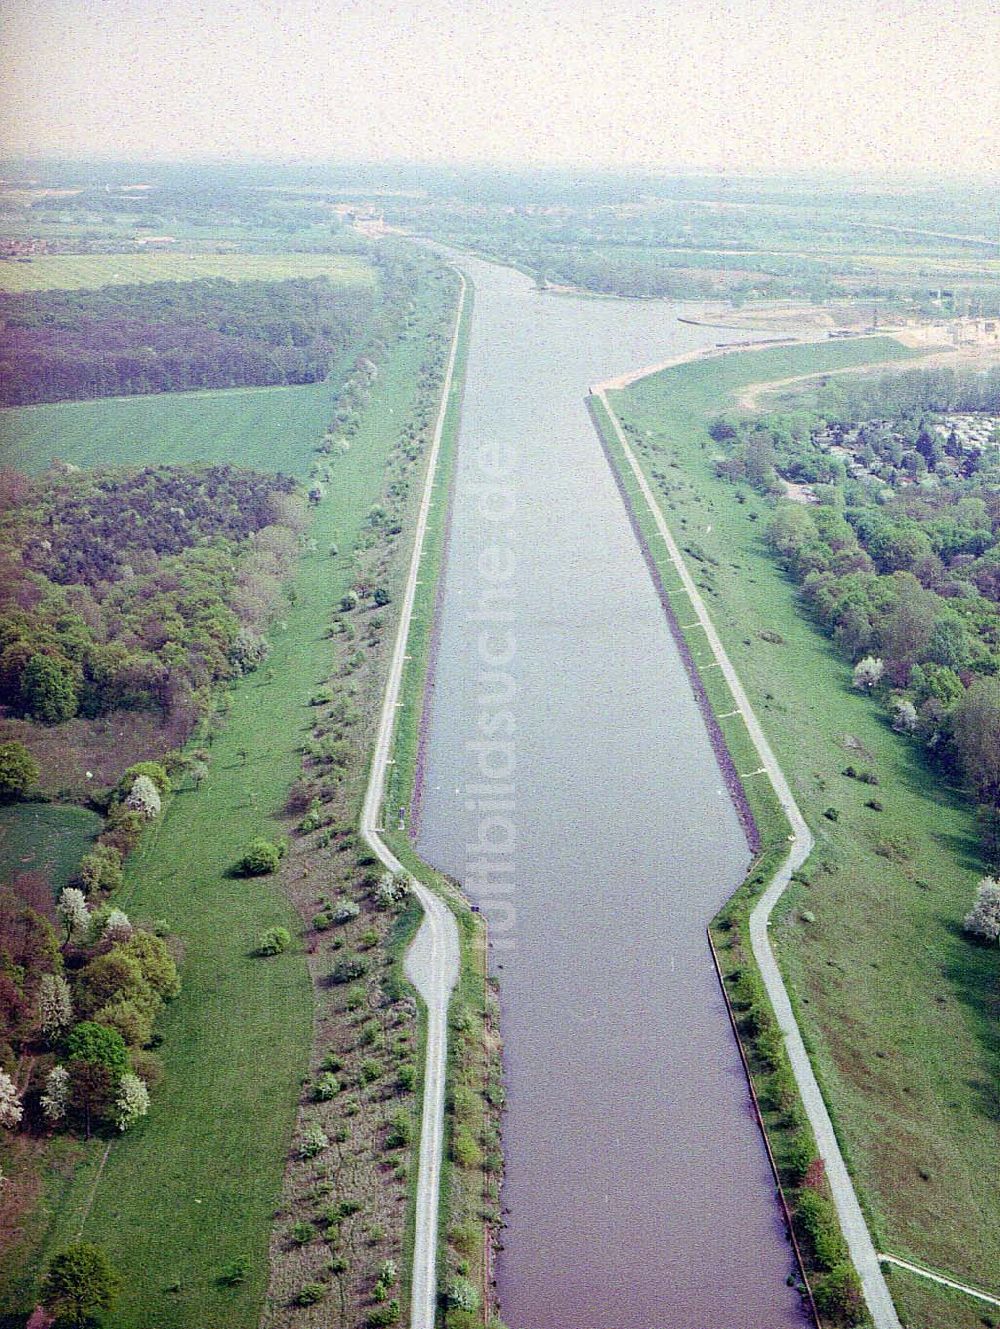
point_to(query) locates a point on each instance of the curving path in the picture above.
(852, 1221)
(432, 962)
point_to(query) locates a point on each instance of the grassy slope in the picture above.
(74, 271)
(44, 837)
(247, 426)
(893, 1001)
(470, 1059)
(194, 1186)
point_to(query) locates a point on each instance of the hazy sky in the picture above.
(736, 85)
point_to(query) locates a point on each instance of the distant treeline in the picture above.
(174, 336)
(137, 590)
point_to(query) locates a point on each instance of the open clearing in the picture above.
(73, 271)
(45, 838)
(898, 1009)
(271, 428)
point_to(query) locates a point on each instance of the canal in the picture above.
(569, 784)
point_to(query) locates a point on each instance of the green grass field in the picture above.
(898, 1008)
(71, 271)
(194, 1187)
(46, 838)
(271, 428)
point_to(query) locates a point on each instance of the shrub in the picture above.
(144, 798)
(18, 771)
(302, 1233)
(326, 1087)
(345, 910)
(466, 1152)
(132, 1102)
(384, 1315)
(272, 941)
(79, 1282)
(261, 858)
(314, 1141)
(347, 969)
(309, 1294)
(800, 1157)
(462, 1294)
(400, 1131)
(151, 770)
(839, 1293)
(983, 920)
(817, 1218)
(235, 1273)
(322, 921)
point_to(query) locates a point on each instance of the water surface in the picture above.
(570, 785)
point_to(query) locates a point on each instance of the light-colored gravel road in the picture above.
(432, 962)
(852, 1221)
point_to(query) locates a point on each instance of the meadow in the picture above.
(271, 428)
(47, 272)
(897, 1007)
(193, 1189)
(47, 838)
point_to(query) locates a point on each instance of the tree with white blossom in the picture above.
(72, 912)
(132, 1102)
(983, 921)
(55, 1099)
(55, 1006)
(868, 673)
(144, 798)
(11, 1110)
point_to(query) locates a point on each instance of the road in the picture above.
(432, 962)
(852, 1221)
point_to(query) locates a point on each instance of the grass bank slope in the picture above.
(194, 1187)
(897, 1008)
(272, 429)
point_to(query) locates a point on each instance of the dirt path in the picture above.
(432, 962)
(852, 1221)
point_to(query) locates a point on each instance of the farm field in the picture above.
(208, 1161)
(72, 271)
(897, 1007)
(271, 428)
(46, 838)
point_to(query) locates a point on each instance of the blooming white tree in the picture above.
(868, 673)
(10, 1102)
(144, 797)
(904, 716)
(55, 1006)
(72, 912)
(55, 1099)
(132, 1102)
(117, 927)
(984, 918)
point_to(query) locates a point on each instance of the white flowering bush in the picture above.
(132, 1102)
(117, 927)
(868, 673)
(983, 921)
(55, 1006)
(11, 1110)
(144, 798)
(55, 1099)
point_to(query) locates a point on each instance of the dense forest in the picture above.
(894, 539)
(173, 336)
(137, 589)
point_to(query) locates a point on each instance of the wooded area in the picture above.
(174, 336)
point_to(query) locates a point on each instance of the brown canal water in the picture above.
(570, 785)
